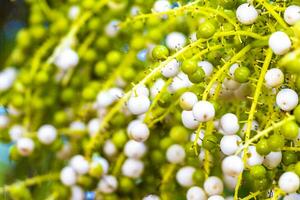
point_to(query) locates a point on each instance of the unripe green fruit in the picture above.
(96, 170)
(197, 76)
(258, 171)
(189, 66)
(160, 52)
(206, 30)
(179, 134)
(113, 58)
(241, 74)
(290, 130)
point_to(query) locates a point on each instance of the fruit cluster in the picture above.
(119, 99)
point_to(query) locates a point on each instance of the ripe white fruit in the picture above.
(229, 124)
(108, 184)
(151, 197)
(287, 99)
(47, 134)
(25, 146)
(77, 126)
(68, 176)
(157, 87)
(104, 99)
(138, 105)
(7, 78)
(16, 132)
(67, 59)
(254, 127)
(188, 100)
(184, 176)
(161, 6)
(134, 149)
(189, 120)
(79, 164)
(171, 69)
(179, 81)
(292, 196)
(229, 144)
(203, 111)
(93, 126)
(77, 193)
(213, 185)
(141, 90)
(289, 182)
(74, 12)
(116, 93)
(112, 28)
(280, 43)
(4, 121)
(216, 197)
(175, 40)
(207, 67)
(273, 159)
(196, 193)
(253, 158)
(139, 132)
(292, 14)
(274, 77)
(232, 166)
(246, 14)
(132, 168)
(230, 181)
(175, 154)
(109, 148)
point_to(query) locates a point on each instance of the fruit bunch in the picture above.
(119, 99)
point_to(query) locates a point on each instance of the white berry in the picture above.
(108, 184)
(207, 67)
(188, 100)
(216, 197)
(289, 182)
(175, 40)
(229, 144)
(253, 158)
(132, 168)
(203, 111)
(161, 6)
(138, 104)
(246, 14)
(16, 132)
(232, 165)
(79, 164)
(189, 120)
(229, 123)
(175, 154)
(171, 69)
(47, 134)
(67, 59)
(287, 99)
(184, 176)
(134, 149)
(280, 43)
(68, 176)
(25, 146)
(213, 185)
(274, 77)
(292, 14)
(196, 193)
(273, 159)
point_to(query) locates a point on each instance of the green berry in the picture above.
(297, 113)
(276, 142)
(165, 143)
(113, 58)
(165, 100)
(189, 66)
(289, 158)
(262, 147)
(297, 168)
(258, 171)
(241, 74)
(290, 130)
(179, 134)
(206, 30)
(126, 184)
(210, 142)
(197, 76)
(101, 69)
(199, 177)
(95, 170)
(119, 138)
(160, 52)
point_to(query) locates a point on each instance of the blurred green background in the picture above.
(13, 16)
